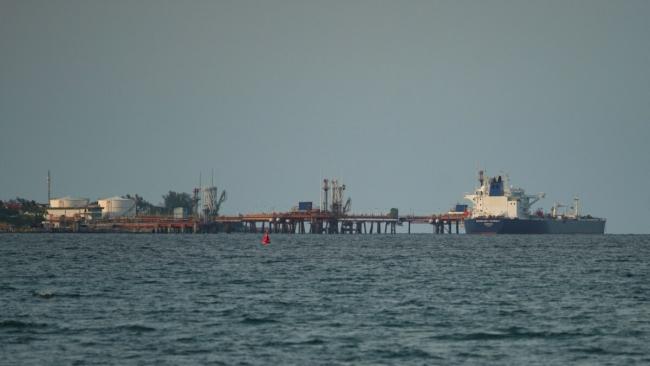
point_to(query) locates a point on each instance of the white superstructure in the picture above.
(495, 198)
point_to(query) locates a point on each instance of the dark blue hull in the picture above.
(534, 226)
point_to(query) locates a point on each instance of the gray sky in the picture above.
(402, 100)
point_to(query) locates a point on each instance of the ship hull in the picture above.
(534, 226)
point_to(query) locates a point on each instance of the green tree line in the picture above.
(21, 212)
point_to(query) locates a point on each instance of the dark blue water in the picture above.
(375, 299)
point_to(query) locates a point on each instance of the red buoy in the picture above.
(266, 239)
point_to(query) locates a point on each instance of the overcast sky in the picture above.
(401, 100)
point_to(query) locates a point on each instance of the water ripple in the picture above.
(336, 299)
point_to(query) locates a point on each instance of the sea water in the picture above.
(324, 299)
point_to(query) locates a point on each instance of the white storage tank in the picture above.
(114, 207)
(69, 202)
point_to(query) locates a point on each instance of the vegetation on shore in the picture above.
(21, 212)
(171, 201)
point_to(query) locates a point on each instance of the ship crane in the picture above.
(556, 205)
(533, 199)
(576, 207)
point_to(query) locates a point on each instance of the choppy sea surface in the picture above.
(331, 299)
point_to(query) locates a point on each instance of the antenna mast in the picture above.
(324, 203)
(49, 187)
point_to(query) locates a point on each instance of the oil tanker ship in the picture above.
(501, 209)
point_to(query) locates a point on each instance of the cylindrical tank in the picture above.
(69, 202)
(117, 207)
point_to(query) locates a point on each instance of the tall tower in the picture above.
(325, 193)
(212, 201)
(49, 187)
(209, 201)
(195, 202)
(337, 196)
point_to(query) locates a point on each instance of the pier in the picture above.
(333, 216)
(292, 222)
(317, 222)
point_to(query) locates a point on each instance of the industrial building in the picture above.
(72, 208)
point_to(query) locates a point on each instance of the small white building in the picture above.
(180, 213)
